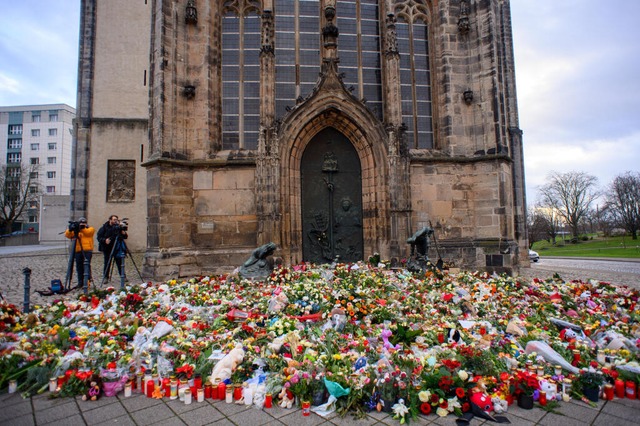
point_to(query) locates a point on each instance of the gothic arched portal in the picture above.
(331, 195)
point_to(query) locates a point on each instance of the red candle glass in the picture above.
(542, 399)
(630, 389)
(619, 385)
(166, 387)
(576, 357)
(207, 391)
(608, 392)
(150, 388)
(268, 401)
(237, 392)
(222, 389)
(197, 381)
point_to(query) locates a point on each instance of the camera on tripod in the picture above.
(75, 226)
(123, 225)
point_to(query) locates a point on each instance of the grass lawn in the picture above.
(598, 246)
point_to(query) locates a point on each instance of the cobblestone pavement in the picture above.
(47, 263)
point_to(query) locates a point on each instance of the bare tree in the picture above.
(623, 199)
(571, 194)
(18, 189)
(537, 225)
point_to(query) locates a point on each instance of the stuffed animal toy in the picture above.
(95, 389)
(483, 401)
(386, 333)
(452, 336)
(516, 327)
(278, 302)
(499, 405)
(227, 365)
(549, 388)
(286, 398)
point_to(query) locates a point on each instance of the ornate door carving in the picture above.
(331, 199)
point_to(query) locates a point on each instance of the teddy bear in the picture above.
(95, 389)
(499, 405)
(223, 368)
(286, 398)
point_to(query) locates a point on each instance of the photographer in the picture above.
(106, 243)
(84, 245)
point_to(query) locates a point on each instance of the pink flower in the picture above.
(295, 379)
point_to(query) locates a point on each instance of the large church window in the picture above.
(297, 50)
(415, 76)
(240, 74)
(359, 50)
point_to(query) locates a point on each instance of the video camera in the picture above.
(75, 226)
(123, 225)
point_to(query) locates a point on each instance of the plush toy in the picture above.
(499, 405)
(286, 398)
(452, 336)
(278, 302)
(386, 333)
(95, 389)
(483, 401)
(568, 335)
(516, 327)
(223, 368)
(549, 388)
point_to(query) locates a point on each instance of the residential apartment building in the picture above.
(38, 135)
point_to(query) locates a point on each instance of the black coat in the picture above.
(107, 231)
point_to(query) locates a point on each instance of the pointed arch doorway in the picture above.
(331, 186)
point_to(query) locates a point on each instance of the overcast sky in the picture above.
(577, 74)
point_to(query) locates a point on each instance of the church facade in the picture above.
(333, 128)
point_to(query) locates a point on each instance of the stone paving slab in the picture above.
(139, 410)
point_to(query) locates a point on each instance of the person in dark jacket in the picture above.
(106, 244)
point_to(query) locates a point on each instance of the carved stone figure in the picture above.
(419, 247)
(260, 263)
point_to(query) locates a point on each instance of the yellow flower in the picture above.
(337, 357)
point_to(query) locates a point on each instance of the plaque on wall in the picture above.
(121, 181)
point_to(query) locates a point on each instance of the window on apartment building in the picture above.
(35, 133)
(13, 172)
(51, 160)
(15, 129)
(33, 219)
(51, 175)
(53, 146)
(33, 205)
(53, 116)
(35, 161)
(35, 117)
(33, 189)
(15, 144)
(35, 147)
(33, 175)
(51, 189)
(53, 132)
(14, 157)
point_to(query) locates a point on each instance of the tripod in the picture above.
(119, 251)
(72, 252)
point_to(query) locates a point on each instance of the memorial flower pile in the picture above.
(351, 338)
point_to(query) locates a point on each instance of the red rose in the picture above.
(444, 404)
(460, 393)
(435, 398)
(465, 407)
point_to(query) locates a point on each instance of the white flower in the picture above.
(424, 396)
(442, 412)
(453, 404)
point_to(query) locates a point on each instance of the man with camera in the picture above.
(111, 231)
(84, 246)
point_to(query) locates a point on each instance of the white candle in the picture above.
(13, 386)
